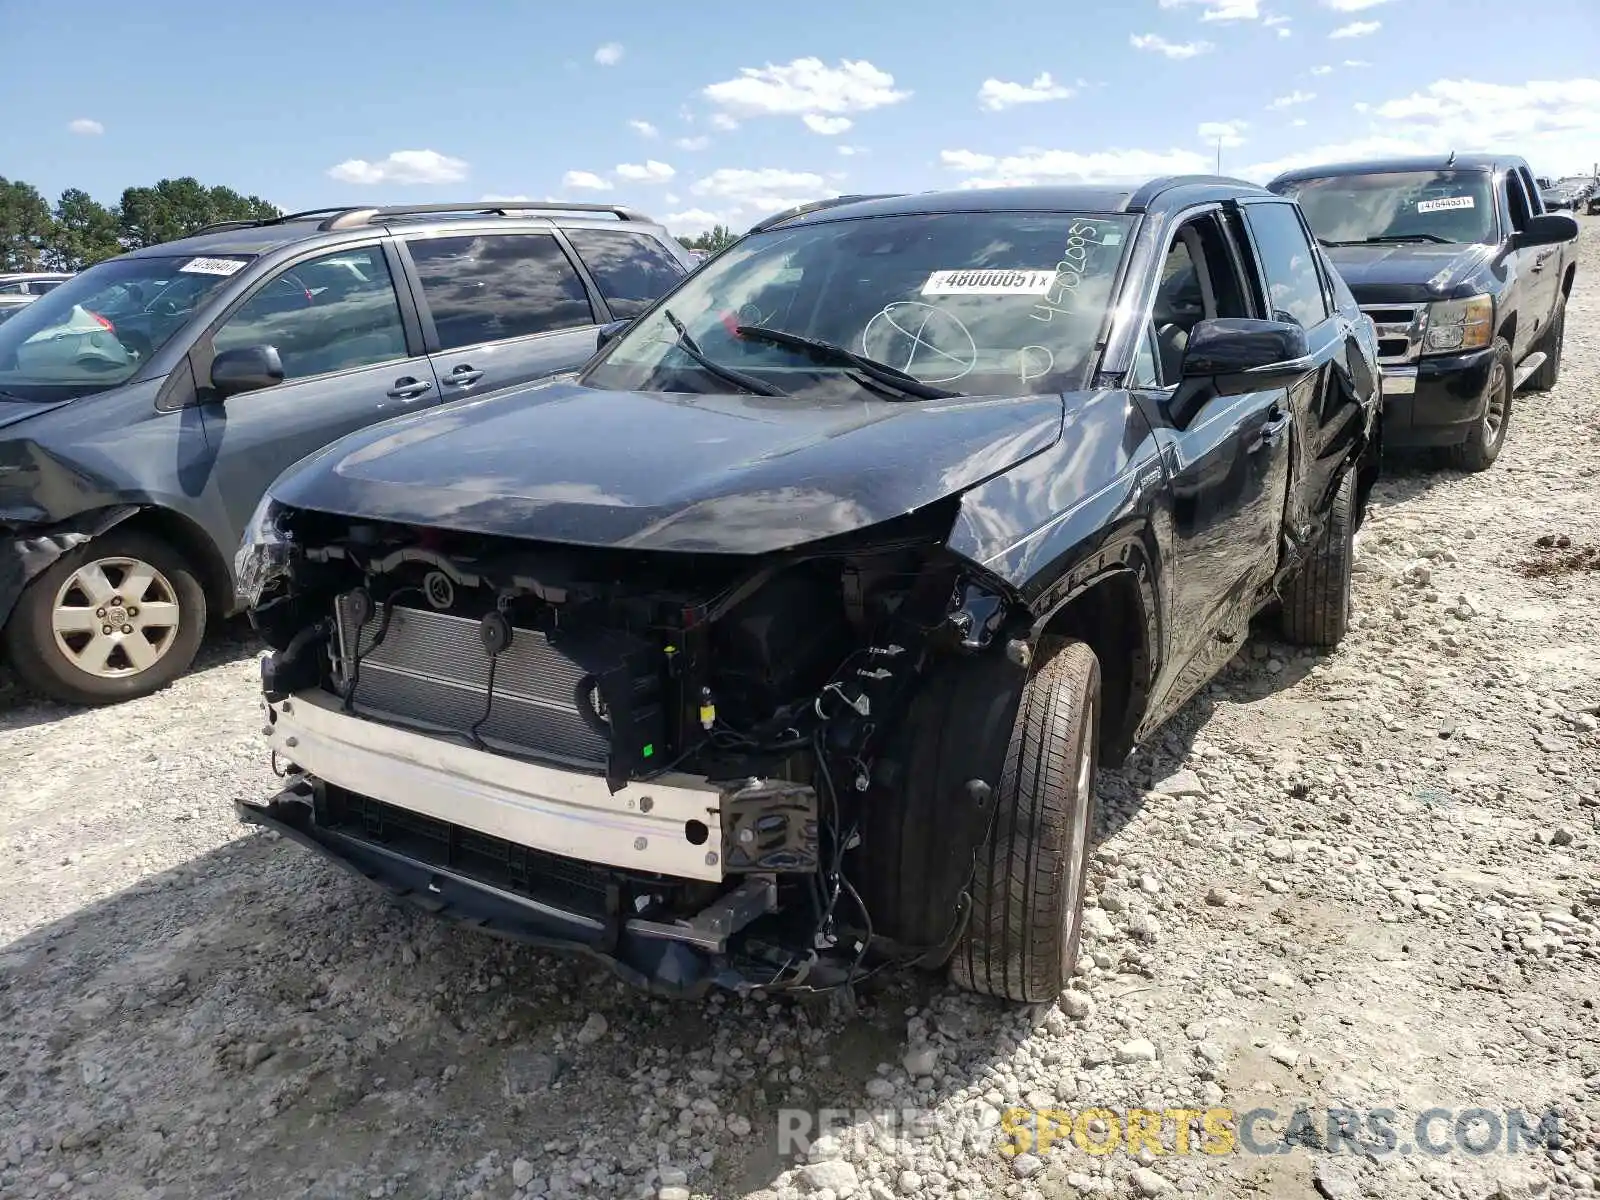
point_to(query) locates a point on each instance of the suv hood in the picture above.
(738, 474)
(13, 412)
(1412, 272)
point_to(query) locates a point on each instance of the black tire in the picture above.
(44, 667)
(1021, 942)
(1316, 602)
(1553, 342)
(1488, 434)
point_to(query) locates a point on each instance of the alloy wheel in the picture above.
(115, 617)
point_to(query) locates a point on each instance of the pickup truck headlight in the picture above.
(264, 551)
(1457, 325)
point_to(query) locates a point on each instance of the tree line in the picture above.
(78, 231)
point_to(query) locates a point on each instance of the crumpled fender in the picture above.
(23, 558)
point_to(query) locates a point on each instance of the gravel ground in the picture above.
(1367, 880)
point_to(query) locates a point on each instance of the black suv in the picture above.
(786, 637)
(146, 403)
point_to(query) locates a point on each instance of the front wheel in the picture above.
(113, 619)
(1021, 941)
(1316, 602)
(1488, 434)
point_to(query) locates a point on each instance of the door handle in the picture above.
(1270, 433)
(463, 376)
(408, 388)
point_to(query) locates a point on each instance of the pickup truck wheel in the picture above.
(1549, 372)
(1316, 602)
(1483, 444)
(113, 619)
(1021, 942)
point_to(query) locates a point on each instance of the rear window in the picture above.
(632, 270)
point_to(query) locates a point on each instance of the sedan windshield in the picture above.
(961, 303)
(1398, 206)
(93, 332)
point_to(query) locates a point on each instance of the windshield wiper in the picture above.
(1396, 237)
(689, 346)
(879, 372)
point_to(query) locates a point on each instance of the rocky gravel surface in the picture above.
(1362, 881)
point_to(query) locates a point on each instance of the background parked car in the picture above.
(1466, 277)
(19, 289)
(146, 404)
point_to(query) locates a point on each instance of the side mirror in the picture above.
(611, 332)
(246, 369)
(1547, 229)
(1230, 356)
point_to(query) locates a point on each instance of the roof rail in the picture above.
(800, 210)
(355, 218)
(258, 222)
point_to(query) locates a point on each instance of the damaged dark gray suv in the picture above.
(781, 644)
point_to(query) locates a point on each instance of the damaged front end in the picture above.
(662, 759)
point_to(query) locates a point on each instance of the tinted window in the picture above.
(632, 270)
(1517, 201)
(40, 286)
(326, 314)
(491, 287)
(1397, 206)
(1294, 288)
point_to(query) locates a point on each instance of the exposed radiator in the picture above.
(431, 670)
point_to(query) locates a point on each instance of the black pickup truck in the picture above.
(1466, 276)
(783, 641)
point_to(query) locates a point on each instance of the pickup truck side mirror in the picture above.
(246, 369)
(610, 332)
(1547, 229)
(1229, 356)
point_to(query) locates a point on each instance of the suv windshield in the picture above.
(1397, 206)
(93, 332)
(970, 303)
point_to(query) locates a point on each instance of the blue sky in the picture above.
(699, 112)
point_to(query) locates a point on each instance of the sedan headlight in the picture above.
(1457, 325)
(264, 552)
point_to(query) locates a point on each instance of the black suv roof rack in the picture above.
(281, 219)
(354, 218)
(800, 210)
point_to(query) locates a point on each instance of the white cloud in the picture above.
(585, 181)
(827, 126)
(692, 221)
(1221, 10)
(1229, 133)
(609, 55)
(1357, 29)
(1322, 70)
(723, 122)
(1356, 62)
(692, 143)
(86, 126)
(851, 151)
(1299, 122)
(1157, 44)
(403, 166)
(1293, 98)
(1353, 5)
(1280, 23)
(998, 94)
(806, 85)
(670, 197)
(650, 171)
(1547, 121)
(644, 128)
(767, 189)
(1071, 166)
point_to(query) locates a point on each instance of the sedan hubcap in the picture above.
(115, 617)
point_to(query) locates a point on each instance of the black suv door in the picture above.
(500, 309)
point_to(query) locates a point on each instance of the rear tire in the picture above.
(56, 637)
(1483, 444)
(1549, 373)
(1021, 942)
(1316, 602)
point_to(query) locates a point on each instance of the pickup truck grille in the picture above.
(431, 671)
(1401, 328)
